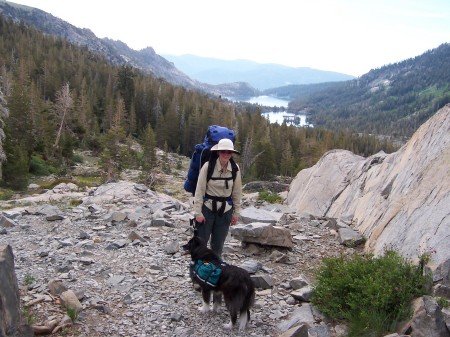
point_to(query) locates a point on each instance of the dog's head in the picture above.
(193, 245)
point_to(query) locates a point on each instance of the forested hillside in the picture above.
(392, 100)
(63, 98)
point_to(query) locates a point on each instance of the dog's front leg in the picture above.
(206, 296)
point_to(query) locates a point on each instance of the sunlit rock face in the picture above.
(397, 201)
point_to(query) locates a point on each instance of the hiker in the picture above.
(217, 201)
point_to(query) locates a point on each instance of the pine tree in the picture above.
(149, 149)
(265, 166)
(125, 85)
(149, 175)
(114, 156)
(287, 160)
(18, 145)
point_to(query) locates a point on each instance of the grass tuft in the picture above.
(28, 279)
(72, 313)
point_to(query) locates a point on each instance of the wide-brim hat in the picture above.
(224, 145)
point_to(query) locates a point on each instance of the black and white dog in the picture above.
(234, 283)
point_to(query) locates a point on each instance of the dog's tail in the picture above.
(249, 301)
(240, 303)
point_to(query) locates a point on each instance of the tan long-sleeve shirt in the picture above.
(218, 188)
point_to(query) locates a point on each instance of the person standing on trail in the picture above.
(217, 200)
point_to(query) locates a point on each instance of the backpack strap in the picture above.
(215, 199)
(234, 169)
(212, 164)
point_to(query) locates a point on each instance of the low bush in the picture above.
(41, 167)
(370, 294)
(270, 197)
(443, 302)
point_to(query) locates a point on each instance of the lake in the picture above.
(268, 101)
(277, 117)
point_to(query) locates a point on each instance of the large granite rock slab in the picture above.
(263, 233)
(399, 200)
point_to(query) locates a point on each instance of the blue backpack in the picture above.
(202, 154)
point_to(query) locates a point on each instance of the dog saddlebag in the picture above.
(206, 273)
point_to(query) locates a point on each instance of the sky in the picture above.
(346, 36)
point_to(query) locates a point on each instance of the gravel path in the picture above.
(140, 288)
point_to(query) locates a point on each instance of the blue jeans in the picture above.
(215, 227)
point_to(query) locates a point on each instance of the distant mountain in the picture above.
(115, 52)
(260, 76)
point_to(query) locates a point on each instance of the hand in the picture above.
(200, 219)
(234, 220)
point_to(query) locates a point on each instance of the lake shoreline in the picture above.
(279, 114)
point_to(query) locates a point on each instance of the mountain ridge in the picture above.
(118, 52)
(115, 52)
(259, 75)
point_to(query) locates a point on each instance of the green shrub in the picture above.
(270, 197)
(38, 166)
(371, 294)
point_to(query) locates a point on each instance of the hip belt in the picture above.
(215, 199)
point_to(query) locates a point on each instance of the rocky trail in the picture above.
(119, 252)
